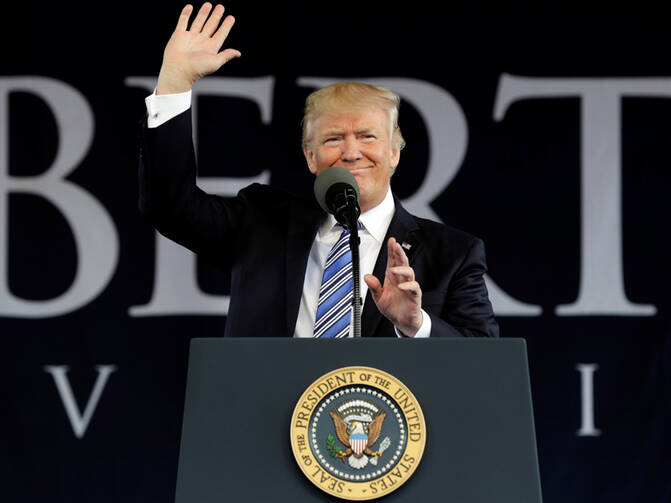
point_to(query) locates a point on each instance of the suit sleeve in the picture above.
(466, 310)
(175, 206)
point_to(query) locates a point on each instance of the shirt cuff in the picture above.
(163, 107)
(423, 332)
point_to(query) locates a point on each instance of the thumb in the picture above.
(374, 285)
(226, 55)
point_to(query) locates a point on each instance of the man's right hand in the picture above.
(194, 52)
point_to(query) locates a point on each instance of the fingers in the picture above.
(410, 287)
(213, 22)
(395, 254)
(374, 285)
(224, 30)
(391, 256)
(183, 20)
(226, 55)
(211, 27)
(403, 273)
(400, 255)
(198, 23)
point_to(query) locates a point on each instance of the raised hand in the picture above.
(194, 52)
(400, 298)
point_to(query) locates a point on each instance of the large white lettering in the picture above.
(79, 421)
(601, 289)
(94, 233)
(587, 428)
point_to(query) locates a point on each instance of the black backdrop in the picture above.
(567, 188)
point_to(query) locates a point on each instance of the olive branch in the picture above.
(331, 447)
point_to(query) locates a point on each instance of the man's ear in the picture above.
(310, 158)
(395, 157)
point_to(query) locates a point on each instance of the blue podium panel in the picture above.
(474, 394)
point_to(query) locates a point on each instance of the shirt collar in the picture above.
(376, 220)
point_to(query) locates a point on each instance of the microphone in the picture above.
(337, 192)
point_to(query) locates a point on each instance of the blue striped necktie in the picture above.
(334, 309)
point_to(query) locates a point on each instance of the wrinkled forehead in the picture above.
(358, 118)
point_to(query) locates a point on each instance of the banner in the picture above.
(543, 133)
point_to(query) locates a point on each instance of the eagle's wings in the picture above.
(375, 427)
(340, 428)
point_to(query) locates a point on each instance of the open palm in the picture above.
(193, 52)
(399, 299)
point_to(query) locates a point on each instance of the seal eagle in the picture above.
(356, 436)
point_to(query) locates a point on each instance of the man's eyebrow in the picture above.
(341, 131)
(333, 131)
(365, 129)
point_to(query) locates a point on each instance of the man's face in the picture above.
(359, 141)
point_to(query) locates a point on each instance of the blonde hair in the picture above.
(342, 96)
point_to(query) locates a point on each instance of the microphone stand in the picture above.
(346, 211)
(356, 299)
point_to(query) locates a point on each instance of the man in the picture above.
(276, 245)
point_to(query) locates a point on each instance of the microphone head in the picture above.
(332, 178)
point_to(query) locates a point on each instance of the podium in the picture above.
(474, 395)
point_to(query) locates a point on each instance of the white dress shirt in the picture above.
(374, 225)
(163, 107)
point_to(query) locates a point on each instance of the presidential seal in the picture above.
(358, 433)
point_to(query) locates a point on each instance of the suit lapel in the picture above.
(303, 225)
(403, 228)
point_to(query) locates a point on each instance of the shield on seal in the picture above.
(358, 442)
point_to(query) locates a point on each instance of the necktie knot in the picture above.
(345, 230)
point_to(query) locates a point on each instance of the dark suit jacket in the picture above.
(264, 235)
